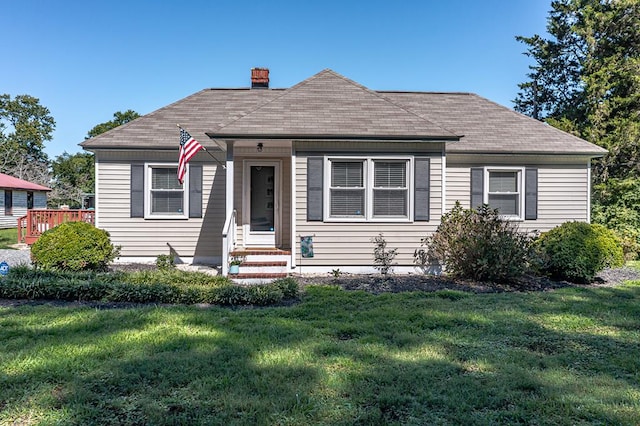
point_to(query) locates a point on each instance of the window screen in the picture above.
(504, 193)
(347, 189)
(167, 194)
(390, 192)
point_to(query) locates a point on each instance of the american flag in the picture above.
(188, 148)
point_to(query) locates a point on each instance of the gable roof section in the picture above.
(10, 182)
(491, 128)
(330, 106)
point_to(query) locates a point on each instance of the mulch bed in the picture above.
(377, 283)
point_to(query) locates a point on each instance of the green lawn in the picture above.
(8, 237)
(570, 357)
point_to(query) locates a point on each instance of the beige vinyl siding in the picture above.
(349, 243)
(195, 237)
(562, 187)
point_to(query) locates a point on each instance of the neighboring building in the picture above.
(16, 196)
(333, 160)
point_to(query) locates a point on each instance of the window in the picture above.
(390, 191)
(369, 189)
(504, 191)
(347, 189)
(166, 196)
(8, 202)
(29, 199)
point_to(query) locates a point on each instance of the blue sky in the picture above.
(86, 60)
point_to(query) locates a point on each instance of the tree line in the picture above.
(585, 79)
(25, 127)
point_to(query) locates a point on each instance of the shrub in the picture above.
(382, 258)
(577, 251)
(74, 246)
(165, 261)
(288, 286)
(477, 245)
(616, 204)
(141, 287)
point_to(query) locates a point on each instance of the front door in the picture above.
(261, 203)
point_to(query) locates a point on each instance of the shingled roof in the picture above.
(489, 127)
(330, 106)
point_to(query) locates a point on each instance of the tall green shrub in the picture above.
(74, 246)
(577, 251)
(477, 245)
(616, 204)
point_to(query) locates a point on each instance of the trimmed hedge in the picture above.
(577, 251)
(74, 246)
(165, 286)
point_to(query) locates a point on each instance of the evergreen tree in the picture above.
(586, 80)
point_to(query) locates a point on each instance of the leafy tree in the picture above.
(586, 80)
(119, 118)
(74, 174)
(25, 126)
(73, 177)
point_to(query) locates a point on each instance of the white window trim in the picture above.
(147, 192)
(368, 188)
(520, 183)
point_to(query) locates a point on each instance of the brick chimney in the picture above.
(259, 78)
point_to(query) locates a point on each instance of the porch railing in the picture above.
(228, 240)
(31, 226)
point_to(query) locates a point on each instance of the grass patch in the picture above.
(338, 357)
(634, 264)
(8, 237)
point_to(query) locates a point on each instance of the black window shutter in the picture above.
(531, 194)
(314, 188)
(195, 190)
(137, 190)
(421, 188)
(477, 187)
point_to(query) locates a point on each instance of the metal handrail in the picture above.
(229, 231)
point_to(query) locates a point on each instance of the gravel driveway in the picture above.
(16, 257)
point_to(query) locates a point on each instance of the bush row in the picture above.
(480, 245)
(141, 287)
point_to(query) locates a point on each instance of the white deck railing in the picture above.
(228, 240)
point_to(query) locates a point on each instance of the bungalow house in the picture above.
(16, 196)
(332, 163)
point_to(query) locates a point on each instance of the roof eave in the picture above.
(342, 137)
(592, 154)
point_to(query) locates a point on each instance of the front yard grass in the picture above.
(568, 356)
(8, 237)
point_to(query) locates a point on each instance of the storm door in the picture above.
(261, 203)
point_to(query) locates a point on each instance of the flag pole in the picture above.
(207, 151)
